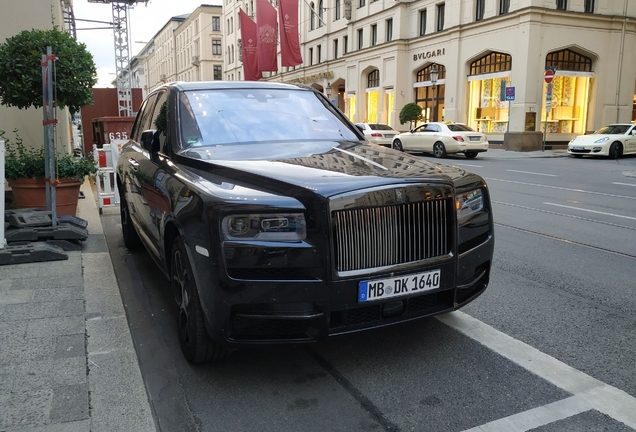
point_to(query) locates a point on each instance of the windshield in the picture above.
(459, 128)
(238, 116)
(613, 130)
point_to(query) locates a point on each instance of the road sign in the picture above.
(510, 93)
(548, 98)
(548, 76)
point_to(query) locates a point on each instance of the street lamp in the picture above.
(434, 74)
(328, 91)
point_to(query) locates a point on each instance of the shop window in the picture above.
(589, 6)
(493, 62)
(373, 96)
(504, 6)
(351, 107)
(480, 7)
(389, 106)
(487, 107)
(441, 8)
(431, 97)
(562, 4)
(568, 60)
(570, 93)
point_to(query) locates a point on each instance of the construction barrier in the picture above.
(107, 157)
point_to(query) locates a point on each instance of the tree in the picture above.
(74, 72)
(411, 112)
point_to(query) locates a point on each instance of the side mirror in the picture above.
(633, 131)
(150, 141)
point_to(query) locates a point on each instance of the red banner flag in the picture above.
(248, 47)
(266, 27)
(289, 43)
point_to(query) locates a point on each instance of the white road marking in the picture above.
(474, 166)
(624, 184)
(588, 393)
(533, 173)
(562, 188)
(590, 211)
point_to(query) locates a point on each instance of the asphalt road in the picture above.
(562, 284)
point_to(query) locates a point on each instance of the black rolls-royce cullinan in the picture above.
(276, 222)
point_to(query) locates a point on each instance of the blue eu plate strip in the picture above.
(362, 292)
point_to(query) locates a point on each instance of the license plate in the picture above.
(389, 135)
(473, 138)
(577, 148)
(381, 289)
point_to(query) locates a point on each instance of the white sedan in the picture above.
(614, 141)
(378, 133)
(442, 139)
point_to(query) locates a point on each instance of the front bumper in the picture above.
(301, 308)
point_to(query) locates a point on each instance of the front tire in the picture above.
(470, 155)
(397, 145)
(196, 345)
(616, 150)
(439, 150)
(131, 238)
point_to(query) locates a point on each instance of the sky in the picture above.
(144, 21)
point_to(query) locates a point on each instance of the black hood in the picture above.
(324, 167)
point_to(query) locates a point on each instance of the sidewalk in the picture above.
(67, 361)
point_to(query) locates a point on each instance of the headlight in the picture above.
(467, 204)
(267, 227)
(602, 140)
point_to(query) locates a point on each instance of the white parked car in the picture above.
(614, 141)
(378, 133)
(441, 139)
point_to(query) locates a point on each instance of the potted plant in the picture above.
(24, 170)
(21, 87)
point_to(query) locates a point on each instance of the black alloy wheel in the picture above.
(397, 145)
(196, 345)
(439, 150)
(616, 150)
(131, 238)
(470, 155)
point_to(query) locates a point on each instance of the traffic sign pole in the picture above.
(548, 76)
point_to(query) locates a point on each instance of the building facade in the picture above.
(373, 57)
(187, 48)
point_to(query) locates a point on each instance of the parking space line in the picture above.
(534, 173)
(590, 211)
(537, 417)
(588, 391)
(624, 184)
(464, 164)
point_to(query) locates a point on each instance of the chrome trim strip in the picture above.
(478, 246)
(475, 280)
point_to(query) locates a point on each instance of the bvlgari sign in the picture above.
(429, 54)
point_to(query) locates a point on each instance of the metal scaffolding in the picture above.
(121, 32)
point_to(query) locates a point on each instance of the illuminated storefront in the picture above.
(570, 93)
(389, 106)
(351, 106)
(373, 97)
(487, 108)
(429, 95)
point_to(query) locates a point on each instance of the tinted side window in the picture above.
(143, 118)
(433, 128)
(135, 134)
(159, 121)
